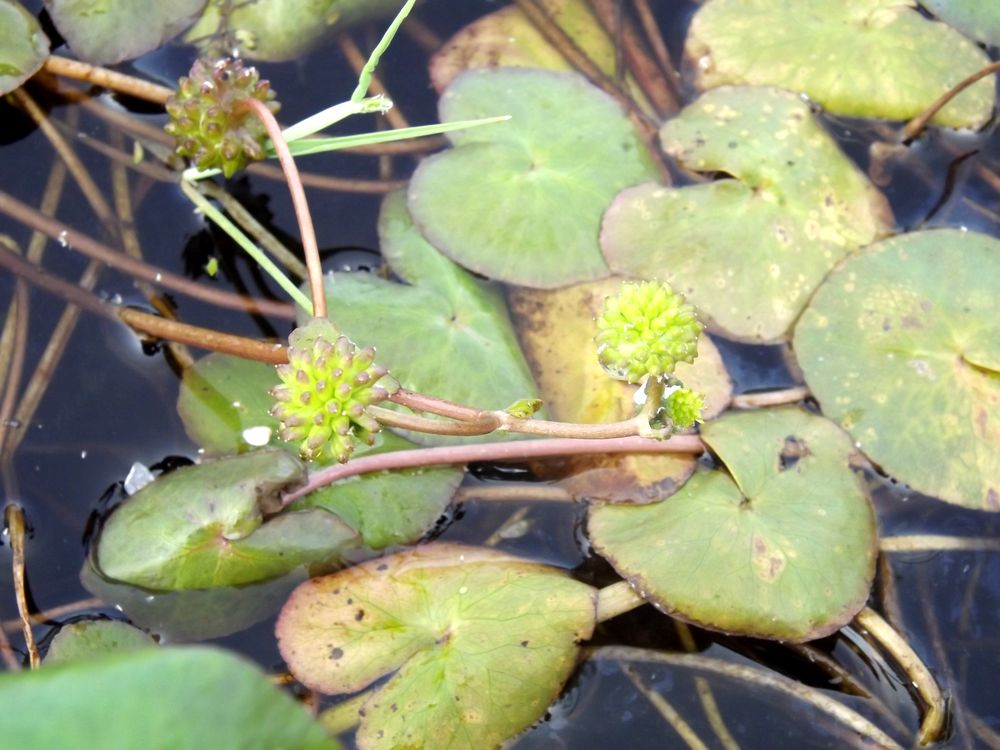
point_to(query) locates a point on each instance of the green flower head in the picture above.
(325, 389)
(646, 330)
(211, 127)
(684, 407)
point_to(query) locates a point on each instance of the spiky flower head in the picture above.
(325, 390)
(646, 329)
(684, 407)
(207, 117)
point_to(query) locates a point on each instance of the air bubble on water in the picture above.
(12, 424)
(62, 239)
(159, 276)
(138, 477)
(257, 436)
(83, 454)
(117, 299)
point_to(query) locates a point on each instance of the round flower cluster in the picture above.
(646, 330)
(683, 407)
(325, 389)
(207, 117)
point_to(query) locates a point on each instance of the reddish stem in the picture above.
(506, 451)
(306, 231)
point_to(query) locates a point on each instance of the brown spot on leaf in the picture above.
(359, 615)
(768, 562)
(794, 449)
(336, 653)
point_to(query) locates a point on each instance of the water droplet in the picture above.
(83, 454)
(138, 477)
(257, 436)
(12, 424)
(463, 590)
(62, 239)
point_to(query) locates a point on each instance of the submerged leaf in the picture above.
(280, 30)
(980, 19)
(747, 251)
(23, 45)
(782, 547)
(557, 330)
(901, 345)
(866, 58)
(445, 333)
(91, 639)
(202, 526)
(155, 699)
(109, 32)
(478, 643)
(521, 201)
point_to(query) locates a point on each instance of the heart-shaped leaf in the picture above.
(202, 526)
(444, 333)
(521, 201)
(557, 330)
(90, 639)
(109, 32)
(782, 547)
(479, 643)
(749, 251)
(874, 58)
(156, 699)
(901, 345)
(23, 45)
(980, 19)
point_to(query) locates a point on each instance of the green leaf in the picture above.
(389, 507)
(557, 330)
(445, 333)
(521, 201)
(278, 30)
(867, 58)
(23, 45)
(901, 346)
(747, 251)
(102, 31)
(979, 19)
(783, 546)
(202, 526)
(224, 403)
(155, 699)
(179, 616)
(91, 639)
(478, 643)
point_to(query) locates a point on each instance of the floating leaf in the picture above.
(557, 330)
(224, 404)
(179, 616)
(482, 642)
(875, 58)
(202, 526)
(782, 547)
(507, 38)
(445, 333)
(747, 252)
(389, 507)
(979, 19)
(521, 201)
(90, 639)
(280, 30)
(901, 346)
(158, 699)
(109, 32)
(23, 45)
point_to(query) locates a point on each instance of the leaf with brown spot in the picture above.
(557, 330)
(775, 553)
(479, 643)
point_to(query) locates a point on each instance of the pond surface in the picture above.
(110, 403)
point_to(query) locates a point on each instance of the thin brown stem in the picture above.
(94, 249)
(770, 398)
(18, 308)
(328, 182)
(399, 420)
(307, 233)
(14, 519)
(421, 402)
(417, 146)
(203, 338)
(933, 724)
(107, 79)
(666, 709)
(659, 47)
(425, 37)
(43, 280)
(915, 126)
(513, 493)
(145, 167)
(504, 451)
(705, 693)
(54, 613)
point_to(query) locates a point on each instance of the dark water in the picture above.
(111, 404)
